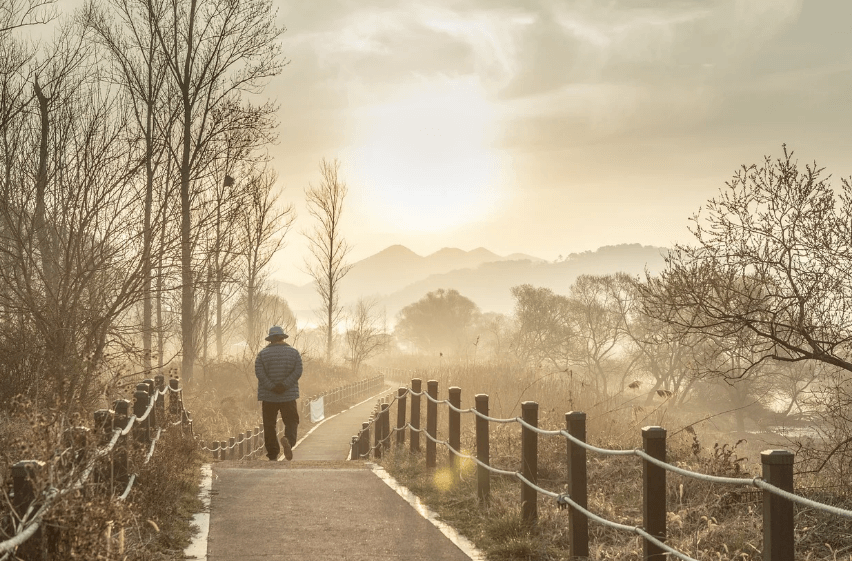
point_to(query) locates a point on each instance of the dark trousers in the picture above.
(290, 416)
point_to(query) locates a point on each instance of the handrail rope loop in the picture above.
(26, 530)
(755, 482)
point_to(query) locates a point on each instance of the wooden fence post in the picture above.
(174, 397)
(778, 544)
(121, 410)
(529, 461)
(400, 417)
(160, 383)
(232, 447)
(241, 450)
(483, 452)
(654, 492)
(152, 418)
(416, 386)
(454, 426)
(364, 449)
(24, 474)
(385, 421)
(578, 524)
(377, 436)
(140, 404)
(431, 422)
(215, 449)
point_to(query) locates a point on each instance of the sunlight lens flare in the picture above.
(424, 161)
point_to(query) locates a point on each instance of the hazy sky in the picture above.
(555, 126)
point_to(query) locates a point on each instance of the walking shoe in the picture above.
(285, 446)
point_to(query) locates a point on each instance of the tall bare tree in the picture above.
(217, 51)
(327, 245)
(263, 226)
(126, 30)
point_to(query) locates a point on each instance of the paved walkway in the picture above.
(317, 507)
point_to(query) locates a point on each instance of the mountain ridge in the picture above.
(397, 276)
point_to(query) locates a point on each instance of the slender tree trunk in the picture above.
(187, 292)
(147, 241)
(251, 328)
(39, 219)
(220, 347)
(330, 310)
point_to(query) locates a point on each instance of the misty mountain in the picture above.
(397, 276)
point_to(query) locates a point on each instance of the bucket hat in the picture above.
(276, 332)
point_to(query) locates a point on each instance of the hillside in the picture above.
(397, 276)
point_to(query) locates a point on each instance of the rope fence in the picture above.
(776, 482)
(101, 451)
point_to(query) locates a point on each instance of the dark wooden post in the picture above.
(140, 404)
(152, 424)
(364, 449)
(24, 474)
(174, 397)
(529, 461)
(377, 436)
(777, 511)
(431, 422)
(386, 426)
(258, 442)
(121, 410)
(353, 448)
(654, 492)
(160, 383)
(400, 416)
(232, 447)
(483, 453)
(215, 449)
(454, 425)
(578, 524)
(416, 386)
(241, 447)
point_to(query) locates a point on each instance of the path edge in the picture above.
(465, 545)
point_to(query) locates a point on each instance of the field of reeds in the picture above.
(705, 520)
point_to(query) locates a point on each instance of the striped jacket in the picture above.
(278, 363)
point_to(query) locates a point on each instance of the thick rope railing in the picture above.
(563, 499)
(753, 482)
(30, 522)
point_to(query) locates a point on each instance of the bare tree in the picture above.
(216, 52)
(770, 273)
(366, 335)
(327, 245)
(139, 69)
(73, 193)
(263, 227)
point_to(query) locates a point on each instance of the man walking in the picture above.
(278, 367)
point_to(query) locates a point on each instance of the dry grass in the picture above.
(705, 521)
(91, 523)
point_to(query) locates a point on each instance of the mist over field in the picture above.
(639, 211)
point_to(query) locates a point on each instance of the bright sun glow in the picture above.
(424, 161)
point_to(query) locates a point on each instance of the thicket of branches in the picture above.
(138, 212)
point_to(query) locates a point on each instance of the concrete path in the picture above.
(317, 507)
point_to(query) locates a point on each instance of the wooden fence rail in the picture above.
(776, 482)
(100, 453)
